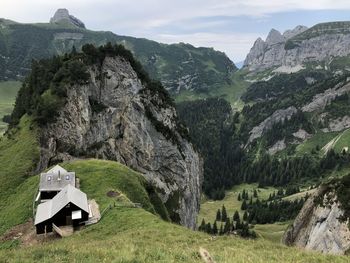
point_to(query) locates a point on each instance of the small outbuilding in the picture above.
(68, 208)
(53, 181)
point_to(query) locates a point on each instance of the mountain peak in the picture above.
(62, 16)
(293, 32)
(274, 37)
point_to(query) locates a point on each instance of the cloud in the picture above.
(199, 22)
(155, 13)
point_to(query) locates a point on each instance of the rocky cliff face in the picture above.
(269, 53)
(267, 124)
(62, 16)
(292, 50)
(114, 117)
(321, 100)
(317, 227)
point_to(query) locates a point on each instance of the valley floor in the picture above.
(270, 232)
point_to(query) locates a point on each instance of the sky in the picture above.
(230, 26)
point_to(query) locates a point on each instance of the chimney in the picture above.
(59, 175)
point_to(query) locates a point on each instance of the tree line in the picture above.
(233, 225)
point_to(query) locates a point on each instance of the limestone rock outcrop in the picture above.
(115, 117)
(300, 46)
(62, 16)
(321, 100)
(318, 227)
(293, 32)
(267, 124)
(339, 124)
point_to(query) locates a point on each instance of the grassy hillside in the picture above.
(97, 178)
(136, 235)
(231, 92)
(331, 140)
(133, 235)
(8, 92)
(209, 207)
(271, 232)
(18, 154)
(178, 65)
(343, 141)
(320, 139)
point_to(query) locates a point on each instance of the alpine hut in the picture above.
(68, 208)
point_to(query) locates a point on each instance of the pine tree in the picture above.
(244, 230)
(280, 192)
(255, 193)
(223, 214)
(221, 232)
(215, 229)
(227, 226)
(244, 205)
(239, 197)
(236, 216)
(202, 227)
(208, 228)
(218, 215)
(238, 224)
(245, 216)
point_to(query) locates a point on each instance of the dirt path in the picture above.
(24, 232)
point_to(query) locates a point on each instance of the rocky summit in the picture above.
(271, 52)
(62, 16)
(297, 48)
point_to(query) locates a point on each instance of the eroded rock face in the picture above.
(274, 37)
(302, 135)
(321, 100)
(62, 15)
(108, 118)
(277, 116)
(293, 32)
(278, 146)
(339, 124)
(318, 227)
(290, 51)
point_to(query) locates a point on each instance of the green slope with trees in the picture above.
(177, 66)
(136, 235)
(8, 93)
